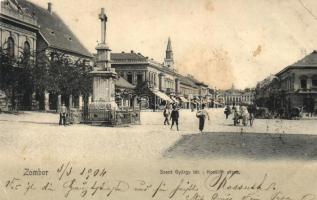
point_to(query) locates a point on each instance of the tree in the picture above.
(15, 74)
(59, 74)
(66, 76)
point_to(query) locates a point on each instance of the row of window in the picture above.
(139, 78)
(186, 91)
(11, 47)
(239, 98)
(304, 80)
(129, 78)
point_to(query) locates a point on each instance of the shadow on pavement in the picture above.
(32, 122)
(47, 123)
(255, 146)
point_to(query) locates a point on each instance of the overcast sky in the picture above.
(221, 42)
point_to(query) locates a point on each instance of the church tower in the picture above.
(169, 61)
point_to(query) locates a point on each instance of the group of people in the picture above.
(241, 110)
(173, 115)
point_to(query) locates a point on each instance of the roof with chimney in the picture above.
(309, 61)
(54, 31)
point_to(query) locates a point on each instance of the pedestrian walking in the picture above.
(227, 111)
(202, 114)
(166, 114)
(62, 115)
(174, 117)
(252, 112)
(312, 107)
(244, 114)
(192, 106)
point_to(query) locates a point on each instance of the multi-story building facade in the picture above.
(294, 86)
(188, 87)
(18, 29)
(234, 96)
(18, 35)
(162, 79)
(136, 68)
(42, 33)
(299, 82)
(30, 28)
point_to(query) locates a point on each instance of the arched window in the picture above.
(11, 49)
(314, 80)
(303, 82)
(27, 49)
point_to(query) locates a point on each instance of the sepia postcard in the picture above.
(149, 99)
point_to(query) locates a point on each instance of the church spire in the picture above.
(169, 45)
(169, 61)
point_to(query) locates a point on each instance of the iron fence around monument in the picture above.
(125, 117)
(98, 116)
(108, 117)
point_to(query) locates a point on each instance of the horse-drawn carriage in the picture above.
(243, 116)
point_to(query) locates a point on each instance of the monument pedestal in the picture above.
(104, 89)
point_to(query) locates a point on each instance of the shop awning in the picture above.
(183, 99)
(174, 99)
(194, 102)
(122, 83)
(204, 101)
(162, 95)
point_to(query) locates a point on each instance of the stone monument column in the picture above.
(103, 75)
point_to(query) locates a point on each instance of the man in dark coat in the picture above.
(227, 111)
(174, 117)
(252, 112)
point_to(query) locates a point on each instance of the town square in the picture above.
(36, 134)
(169, 99)
(50, 79)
